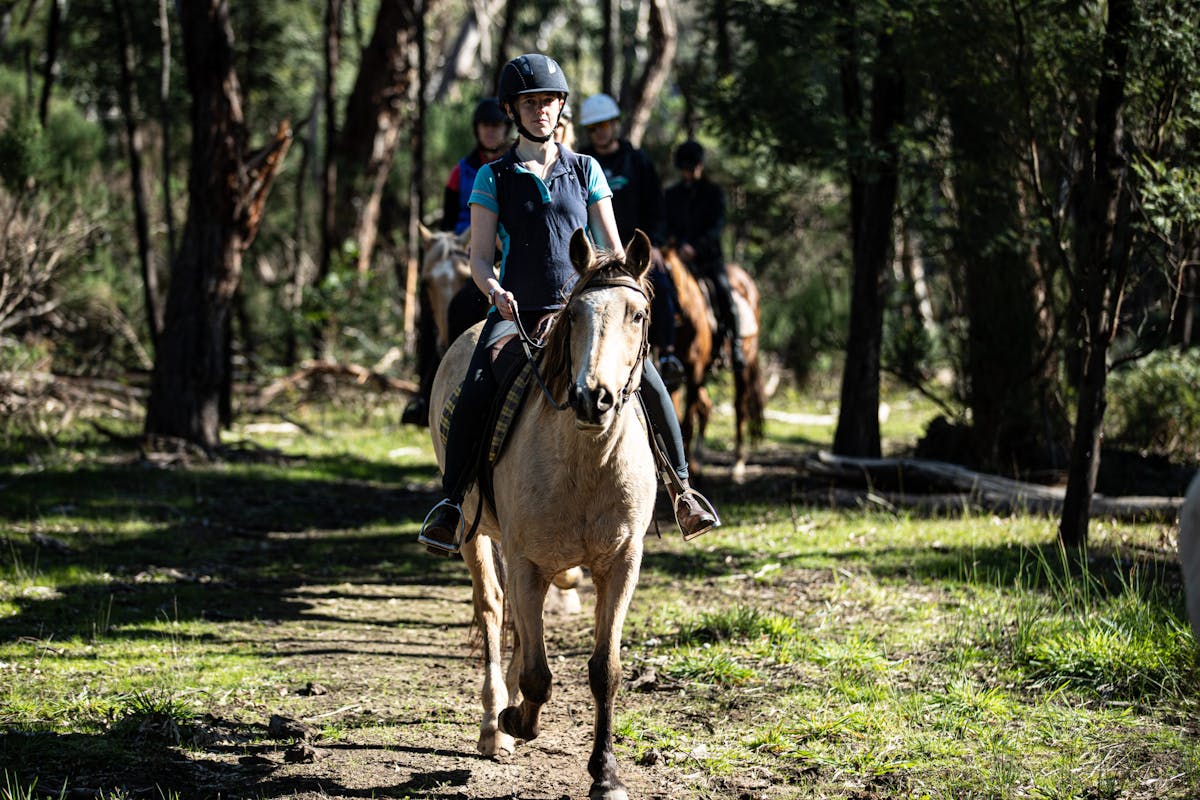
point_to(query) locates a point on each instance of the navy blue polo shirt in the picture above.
(536, 221)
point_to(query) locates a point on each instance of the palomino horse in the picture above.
(694, 346)
(572, 489)
(445, 270)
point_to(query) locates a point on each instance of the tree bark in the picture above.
(873, 188)
(1008, 389)
(53, 30)
(663, 41)
(329, 176)
(227, 190)
(371, 133)
(1102, 268)
(610, 31)
(512, 9)
(164, 110)
(417, 188)
(133, 135)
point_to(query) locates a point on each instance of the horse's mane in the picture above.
(558, 339)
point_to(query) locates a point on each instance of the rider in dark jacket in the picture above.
(637, 203)
(695, 217)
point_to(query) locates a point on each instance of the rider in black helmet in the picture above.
(534, 198)
(695, 216)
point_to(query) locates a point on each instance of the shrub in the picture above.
(1154, 405)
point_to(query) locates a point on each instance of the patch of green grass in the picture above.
(714, 666)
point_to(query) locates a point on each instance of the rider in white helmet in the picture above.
(637, 203)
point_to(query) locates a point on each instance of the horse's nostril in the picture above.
(604, 399)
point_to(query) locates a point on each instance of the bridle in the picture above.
(596, 283)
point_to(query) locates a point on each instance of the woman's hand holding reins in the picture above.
(504, 301)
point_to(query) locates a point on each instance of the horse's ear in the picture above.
(582, 252)
(426, 234)
(637, 254)
(464, 238)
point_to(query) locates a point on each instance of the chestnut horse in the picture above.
(694, 345)
(571, 489)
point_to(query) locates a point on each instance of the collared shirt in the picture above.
(536, 221)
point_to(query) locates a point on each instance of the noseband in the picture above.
(596, 283)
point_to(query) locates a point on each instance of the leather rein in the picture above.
(597, 283)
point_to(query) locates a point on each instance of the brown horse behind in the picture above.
(694, 336)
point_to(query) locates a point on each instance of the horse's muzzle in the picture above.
(591, 406)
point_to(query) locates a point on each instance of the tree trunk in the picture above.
(227, 189)
(663, 41)
(873, 188)
(53, 29)
(1102, 268)
(329, 176)
(164, 110)
(1008, 391)
(371, 133)
(133, 135)
(501, 56)
(417, 189)
(610, 31)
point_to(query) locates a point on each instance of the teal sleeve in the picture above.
(484, 191)
(597, 186)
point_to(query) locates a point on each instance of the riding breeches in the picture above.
(663, 419)
(468, 422)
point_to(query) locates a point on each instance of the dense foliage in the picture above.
(993, 146)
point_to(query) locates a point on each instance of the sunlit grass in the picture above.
(840, 653)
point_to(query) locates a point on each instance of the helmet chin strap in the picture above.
(521, 129)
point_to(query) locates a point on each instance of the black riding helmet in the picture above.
(530, 74)
(489, 110)
(689, 154)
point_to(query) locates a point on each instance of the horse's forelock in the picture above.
(606, 265)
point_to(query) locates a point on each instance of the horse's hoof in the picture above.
(601, 792)
(510, 723)
(494, 744)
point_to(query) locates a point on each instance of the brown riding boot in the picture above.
(693, 513)
(442, 531)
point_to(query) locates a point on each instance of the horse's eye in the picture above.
(639, 317)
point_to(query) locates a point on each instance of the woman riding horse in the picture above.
(535, 197)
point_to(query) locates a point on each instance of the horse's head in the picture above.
(445, 269)
(595, 350)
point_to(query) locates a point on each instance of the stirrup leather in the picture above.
(437, 544)
(687, 537)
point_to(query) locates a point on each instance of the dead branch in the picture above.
(357, 374)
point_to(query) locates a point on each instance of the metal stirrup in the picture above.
(687, 537)
(452, 547)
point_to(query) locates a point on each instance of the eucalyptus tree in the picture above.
(227, 188)
(824, 84)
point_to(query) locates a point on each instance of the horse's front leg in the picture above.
(481, 555)
(526, 595)
(614, 591)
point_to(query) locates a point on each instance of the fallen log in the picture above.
(938, 487)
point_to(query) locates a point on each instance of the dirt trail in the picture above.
(401, 713)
